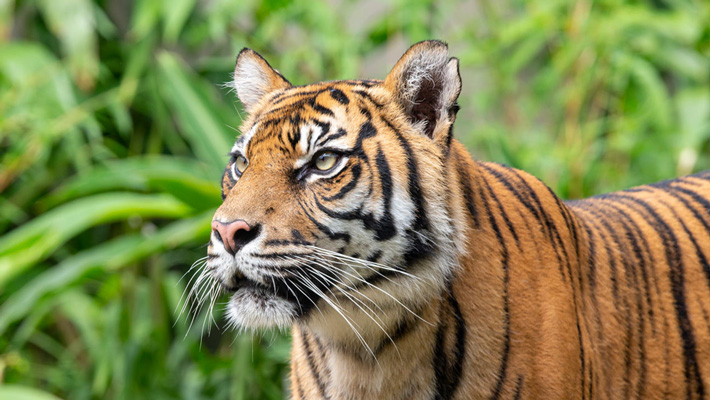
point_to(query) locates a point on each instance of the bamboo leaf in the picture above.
(108, 257)
(185, 179)
(73, 22)
(177, 12)
(198, 122)
(38, 238)
(17, 392)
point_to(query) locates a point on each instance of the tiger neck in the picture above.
(383, 365)
(424, 343)
(330, 362)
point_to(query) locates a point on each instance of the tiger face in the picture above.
(334, 194)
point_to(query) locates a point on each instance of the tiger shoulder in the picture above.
(407, 270)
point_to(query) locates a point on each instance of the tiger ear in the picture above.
(426, 83)
(254, 78)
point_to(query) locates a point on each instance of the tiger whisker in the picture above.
(202, 288)
(305, 264)
(387, 294)
(350, 323)
(209, 320)
(201, 261)
(359, 304)
(364, 263)
(306, 296)
(359, 293)
(330, 268)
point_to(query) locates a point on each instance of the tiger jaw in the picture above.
(255, 307)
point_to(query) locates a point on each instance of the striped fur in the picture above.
(410, 271)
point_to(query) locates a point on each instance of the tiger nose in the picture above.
(234, 235)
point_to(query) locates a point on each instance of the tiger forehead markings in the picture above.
(407, 270)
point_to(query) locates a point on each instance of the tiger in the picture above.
(404, 269)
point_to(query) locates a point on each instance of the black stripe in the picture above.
(465, 184)
(544, 219)
(327, 231)
(339, 96)
(506, 311)
(645, 251)
(503, 213)
(591, 263)
(289, 94)
(369, 98)
(704, 204)
(518, 195)
(307, 100)
(367, 130)
(415, 191)
(312, 366)
(297, 236)
(404, 326)
(448, 370)
(324, 127)
(286, 242)
(419, 246)
(378, 276)
(231, 179)
(634, 232)
(698, 251)
(449, 137)
(385, 227)
(704, 175)
(701, 219)
(557, 242)
(356, 170)
(294, 136)
(325, 139)
(374, 257)
(321, 109)
(677, 277)
(297, 383)
(631, 275)
(518, 388)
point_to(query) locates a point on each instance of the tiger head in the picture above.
(335, 198)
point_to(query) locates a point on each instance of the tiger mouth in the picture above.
(241, 281)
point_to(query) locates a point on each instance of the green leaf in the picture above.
(201, 126)
(187, 180)
(17, 392)
(658, 106)
(38, 238)
(176, 14)
(73, 22)
(108, 257)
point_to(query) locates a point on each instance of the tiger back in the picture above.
(407, 270)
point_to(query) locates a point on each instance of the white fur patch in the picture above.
(254, 308)
(250, 82)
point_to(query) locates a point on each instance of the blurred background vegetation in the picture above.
(114, 129)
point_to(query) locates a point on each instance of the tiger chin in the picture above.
(407, 270)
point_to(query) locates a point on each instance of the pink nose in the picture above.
(234, 235)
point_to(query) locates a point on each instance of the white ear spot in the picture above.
(254, 78)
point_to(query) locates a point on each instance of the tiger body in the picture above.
(407, 270)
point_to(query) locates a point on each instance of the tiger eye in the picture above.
(240, 165)
(326, 161)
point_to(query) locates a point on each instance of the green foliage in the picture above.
(114, 130)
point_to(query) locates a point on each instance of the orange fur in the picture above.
(520, 296)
